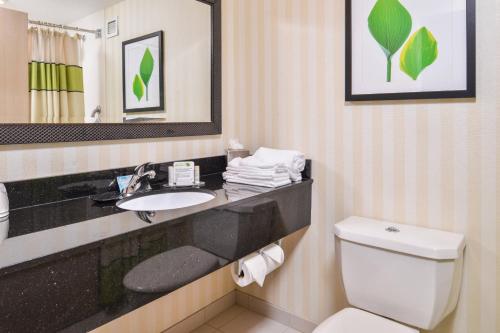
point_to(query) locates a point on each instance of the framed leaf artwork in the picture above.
(410, 49)
(142, 67)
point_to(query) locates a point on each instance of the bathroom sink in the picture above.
(157, 201)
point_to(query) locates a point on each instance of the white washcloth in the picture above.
(290, 158)
(294, 160)
(235, 162)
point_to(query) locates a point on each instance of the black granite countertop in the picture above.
(73, 265)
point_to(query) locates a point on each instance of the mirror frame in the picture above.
(11, 134)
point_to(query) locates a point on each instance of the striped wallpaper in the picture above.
(432, 164)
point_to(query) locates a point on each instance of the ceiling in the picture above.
(58, 11)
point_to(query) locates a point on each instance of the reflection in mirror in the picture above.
(106, 61)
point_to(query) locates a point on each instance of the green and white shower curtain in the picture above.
(56, 77)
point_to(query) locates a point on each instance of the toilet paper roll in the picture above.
(253, 269)
(274, 256)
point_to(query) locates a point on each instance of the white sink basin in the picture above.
(165, 201)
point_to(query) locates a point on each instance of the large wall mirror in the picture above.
(92, 70)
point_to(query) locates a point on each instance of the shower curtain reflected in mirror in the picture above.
(56, 77)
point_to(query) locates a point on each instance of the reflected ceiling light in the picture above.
(3, 2)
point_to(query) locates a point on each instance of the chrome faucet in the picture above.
(140, 180)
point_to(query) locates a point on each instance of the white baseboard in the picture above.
(246, 301)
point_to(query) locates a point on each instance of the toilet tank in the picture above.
(410, 274)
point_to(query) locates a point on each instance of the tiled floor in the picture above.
(240, 320)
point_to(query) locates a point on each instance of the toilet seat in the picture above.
(357, 321)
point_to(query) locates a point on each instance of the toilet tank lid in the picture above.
(417, 241)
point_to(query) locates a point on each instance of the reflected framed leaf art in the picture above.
(142, 67)
(410, 49)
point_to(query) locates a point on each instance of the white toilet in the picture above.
(396, 275)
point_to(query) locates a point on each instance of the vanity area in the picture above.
(70, 264)
(77, 251)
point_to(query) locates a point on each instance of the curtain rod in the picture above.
(97, 33)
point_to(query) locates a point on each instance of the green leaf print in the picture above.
(390, 25)
(419, 52)
(146, 70)
(138, 88)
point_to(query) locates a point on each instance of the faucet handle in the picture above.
(151, 174)
(140, 170)
(139, 180)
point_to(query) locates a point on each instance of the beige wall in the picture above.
(427, 163)
(433, 163)
(14, 99)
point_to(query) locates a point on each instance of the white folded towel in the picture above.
(248, 175)
(257, 182)
(275, 169)
(235, 162)
(294, 160)
(268, 168)
(256, 171)
(257, 162)
(236, 191)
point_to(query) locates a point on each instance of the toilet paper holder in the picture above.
(240, 262)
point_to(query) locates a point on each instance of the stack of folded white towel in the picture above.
(236, 192)
(267, 167)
